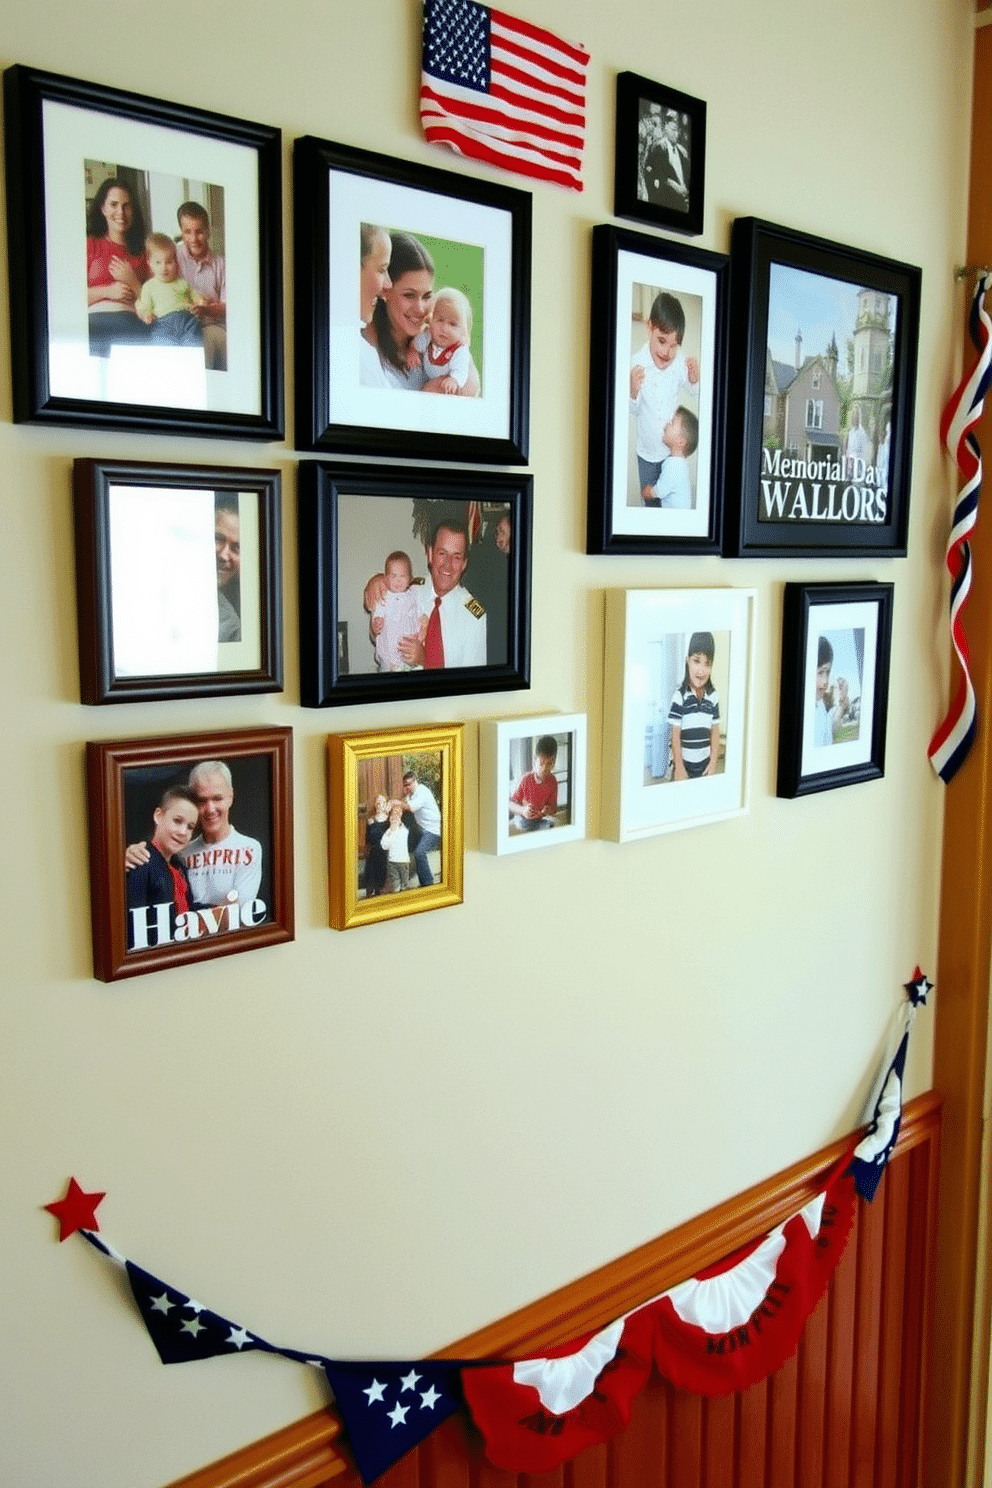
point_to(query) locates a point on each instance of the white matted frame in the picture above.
(649, 634)
(65, 140)
(507, 753)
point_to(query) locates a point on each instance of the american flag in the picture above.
(504, 91)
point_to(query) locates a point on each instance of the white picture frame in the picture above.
(507, 750)
(648, 635)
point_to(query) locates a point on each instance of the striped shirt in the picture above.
(695, 717)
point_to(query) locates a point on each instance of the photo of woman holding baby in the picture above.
(442, 264)
(421, 337)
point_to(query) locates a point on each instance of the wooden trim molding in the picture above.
(307, 1454)
(965, 947)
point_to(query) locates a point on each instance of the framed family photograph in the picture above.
(532, 774)
(395, 831)
(836, 640)
(146, 270)
(191, 848)
(657, 395)
(178, 580)
(825, 340)
(677, 714)
(661, 155)
(429, 574)
(437, 267)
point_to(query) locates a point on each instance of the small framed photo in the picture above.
(429, 573)
(146, 271)
(661, 155)
(178, 580)
(396, 833)
(409, 279)
(677, 708)
(825, 344)
(191, 848)
(532, 782)
(836, 640)
(657, 395)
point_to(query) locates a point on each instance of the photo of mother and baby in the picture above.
(414, 337)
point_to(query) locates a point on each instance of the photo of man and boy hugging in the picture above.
(664, 398)
(154, 273)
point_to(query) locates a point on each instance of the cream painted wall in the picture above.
(374, 1142)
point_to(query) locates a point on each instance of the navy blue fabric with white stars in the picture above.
(388, 1409)
(457, 45)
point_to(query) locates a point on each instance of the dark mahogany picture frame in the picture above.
(98, 681)
(106, 762)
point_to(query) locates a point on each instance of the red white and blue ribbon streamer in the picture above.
(953, 739)
(723, 1329)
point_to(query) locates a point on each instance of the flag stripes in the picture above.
(504, 91)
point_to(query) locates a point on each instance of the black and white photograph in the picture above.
(660, 155)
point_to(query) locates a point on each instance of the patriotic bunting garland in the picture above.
(953, 739)
(722, 1330)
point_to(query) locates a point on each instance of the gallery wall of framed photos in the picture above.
(349, 1107)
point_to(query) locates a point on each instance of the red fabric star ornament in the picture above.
(77, 1211)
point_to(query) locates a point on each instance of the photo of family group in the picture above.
(423, 583)
(395, 838)
(422, 312)
(399, 823)
(685, 732)
(155, 262)
(198, 847)
(665, 351)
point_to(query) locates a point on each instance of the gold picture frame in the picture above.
(374, 872)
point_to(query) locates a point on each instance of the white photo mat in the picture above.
(497, 778)
(824, 619)
(354, 199)
(163, 376)
(681, 280)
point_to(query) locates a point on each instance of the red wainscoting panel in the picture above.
(845, 1412)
